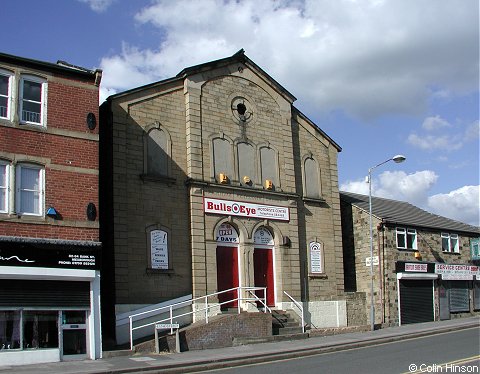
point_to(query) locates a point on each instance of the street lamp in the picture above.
(397, 159)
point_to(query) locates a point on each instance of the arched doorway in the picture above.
(263, 263)
(227, 265)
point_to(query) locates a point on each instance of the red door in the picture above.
(263, 273)
(227, 275)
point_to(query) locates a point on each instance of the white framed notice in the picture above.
(159, 249)
(316, 258)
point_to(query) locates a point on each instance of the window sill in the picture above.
(451, 253)
(313, 200)
(150, 271)
(407, 250)
(158, 179)
(319, 276)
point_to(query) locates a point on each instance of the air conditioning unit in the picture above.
(268, 184)
(223, 178)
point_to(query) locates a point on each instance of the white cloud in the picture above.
(368, 58)
(448, 141)
(98, 6)
(432, 142)
(435, 123)
(462, 204)
(472, 132)
(397, 185)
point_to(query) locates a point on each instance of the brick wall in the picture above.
(66, 148)
(220, 332)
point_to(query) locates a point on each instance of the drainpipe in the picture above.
(381, 272)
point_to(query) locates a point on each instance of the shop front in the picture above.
(432, 291)
(49, 301)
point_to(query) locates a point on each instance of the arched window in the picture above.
(268, 166)
(312, 179)
(157, 153)
(246, 164)
(222, 158)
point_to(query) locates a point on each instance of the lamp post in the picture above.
(397, 159)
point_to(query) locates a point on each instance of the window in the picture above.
(312, 179)
(40, 329)
(157, 157)
(269, 165)
(4, 180)
(450, 243)
(246, 164)
(9, 329)
(222, 158)
(29, 189)
(406, 238)
(5, 94)
(32, 100)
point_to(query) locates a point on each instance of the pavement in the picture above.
(193, 361)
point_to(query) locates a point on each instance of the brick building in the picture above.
(214, 180)
(49, 227)
(425, 265)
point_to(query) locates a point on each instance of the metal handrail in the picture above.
(300, 307)
(207, 307)
(263, 302)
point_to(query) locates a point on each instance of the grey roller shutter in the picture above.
(459, 298)
(416, 301)
(35, 293)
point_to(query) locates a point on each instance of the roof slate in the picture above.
(403, 213)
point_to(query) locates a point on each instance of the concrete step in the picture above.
(287, 330)
(275, 338)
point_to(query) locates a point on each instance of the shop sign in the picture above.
(457, 272)
(316, 260)
(368, 261)
(416, 268)
(159, 249)
(227, 234)
(54, 256)
(237, 208)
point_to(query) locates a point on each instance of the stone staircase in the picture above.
(285, 323)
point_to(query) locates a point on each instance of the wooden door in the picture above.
(227, 275)
(263, 273)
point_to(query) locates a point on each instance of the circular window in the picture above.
(242, 110)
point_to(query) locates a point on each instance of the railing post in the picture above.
(265, 298)
(171, 319)
(131, 333)
(239, 298)
(206, 309)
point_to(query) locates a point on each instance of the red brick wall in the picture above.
(68, 106)
(61, 150)
(49, 231)
(71, 170)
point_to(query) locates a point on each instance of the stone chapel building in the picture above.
(213, 180)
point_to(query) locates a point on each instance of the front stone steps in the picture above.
(284, 324)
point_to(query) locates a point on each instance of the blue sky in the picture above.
(381, 77)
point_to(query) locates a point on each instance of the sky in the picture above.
(380, 77)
